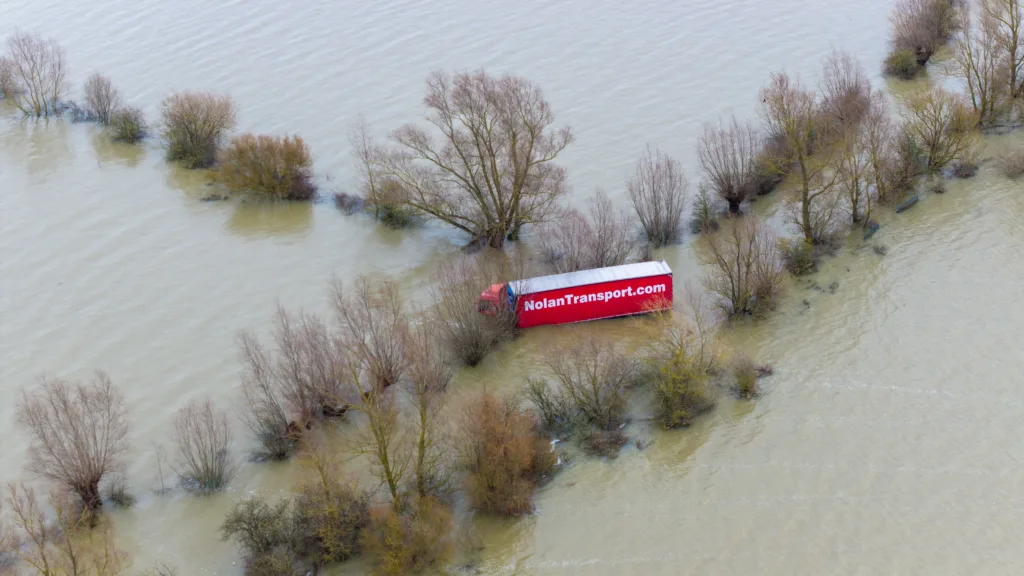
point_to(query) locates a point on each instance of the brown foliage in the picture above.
(923, 26)
(102, 98)
(493, 170)
(846, 92)
(78, 433)
(575, 242)
(39, 72)
(596, 379)
(194, 124)
(502, 455)
(457, 286)
(728, 155)
(658, 192)
(267, 166)
(204, 441)
(70, 541)
(746, 275)
(412, 541)
(943, 125)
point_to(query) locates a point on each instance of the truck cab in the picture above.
(494, 298)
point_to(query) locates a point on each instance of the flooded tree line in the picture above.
(374, 377)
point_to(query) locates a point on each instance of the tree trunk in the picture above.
(90, 495)
(734, 206)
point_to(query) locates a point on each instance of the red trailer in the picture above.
(584, 295)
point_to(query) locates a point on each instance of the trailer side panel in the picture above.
(595, 301)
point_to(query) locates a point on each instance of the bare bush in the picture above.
(128, 125)
(374, 325)
(728, 156)
(268, 167)
(457, 286)
(746, 275)
(61, 538)
(502, 455)
(923, 26)
(745, 375)
(576, 242)
(1007, 20)
(412, 541)
(102, 98)
(194, 124)
(78, 433)
(204, 442)
(704, 217)
(8, 84)
(493, 170)
(845, 91)
(556, 412)
(1012, 163)
(978, 59)
(382, 193)
(286, 391)
(943, 125)
(39, 70)
(596, 378)
(658, 192)
(265, 534)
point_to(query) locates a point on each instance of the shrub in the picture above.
(728, 157)
(194, 124)
(576, 242)
(798, 255)
(744, 374)
(746, 276)
(117, 492)
(268, 167)
(78, 434)
(658, 191)
(102, 98)
(470, 333)
(557, 415)
(678, 368)
(966, 167)
(204, 441)
(1012, 163)
(328, 517)
(127, 125)
(502, 455)
(596, 379)
(902, 63)
(704, 219)
(349, 203)
(388, 200)
(8, 84)
(921, 26)
(944, 127)
(411, 542)
(264, 533)
(846, 91)
(604, 443)
(771, 166)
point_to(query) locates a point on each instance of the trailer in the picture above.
(594, 294)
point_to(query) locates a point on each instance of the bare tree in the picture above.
(979, 60)
(923, 26)
(728, 155)
(1007, 22)
(429, 377)
(576, 242)
(746, 274)
(204, 442)
(8, 84)
(102, 98)
(382, 438)
(790, 114)
(78, 433)
(658, 192)
(855, 182)
(374, 324)
(943, 125)
(39, 69)
(493, 170)
(878, 143)
(471, 333)
(845, 92)
(194, 125)
(596, 378)
(68, 542)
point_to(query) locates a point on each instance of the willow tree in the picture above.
(1007, 19)
(492, 170)
(39, 70)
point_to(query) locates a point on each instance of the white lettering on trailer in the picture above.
(606, 296)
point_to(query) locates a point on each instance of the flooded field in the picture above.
(884, 442)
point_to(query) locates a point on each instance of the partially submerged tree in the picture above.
(790, 114)
(128, 125)
(102, 98)
(745, 275)
(979, 60)
(596, 379)
(577, 242)
(194, 125)
(922, 26)
(278, 168)
(204, 441)
(943, 125)
(8, 85)
(39, 71)
(658, 192)
(383, 194)
(493, 170)
(679, 362)
(429, 377)
(265, 534)
(845, 93)
(728, 156)
(78, 434)
(1007, 23)
(373, 327)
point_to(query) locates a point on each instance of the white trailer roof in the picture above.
(593, 276)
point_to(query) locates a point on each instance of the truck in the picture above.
(583, 295)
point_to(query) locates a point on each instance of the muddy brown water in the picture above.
(887, 440)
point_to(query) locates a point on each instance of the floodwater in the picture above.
(885, 442)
